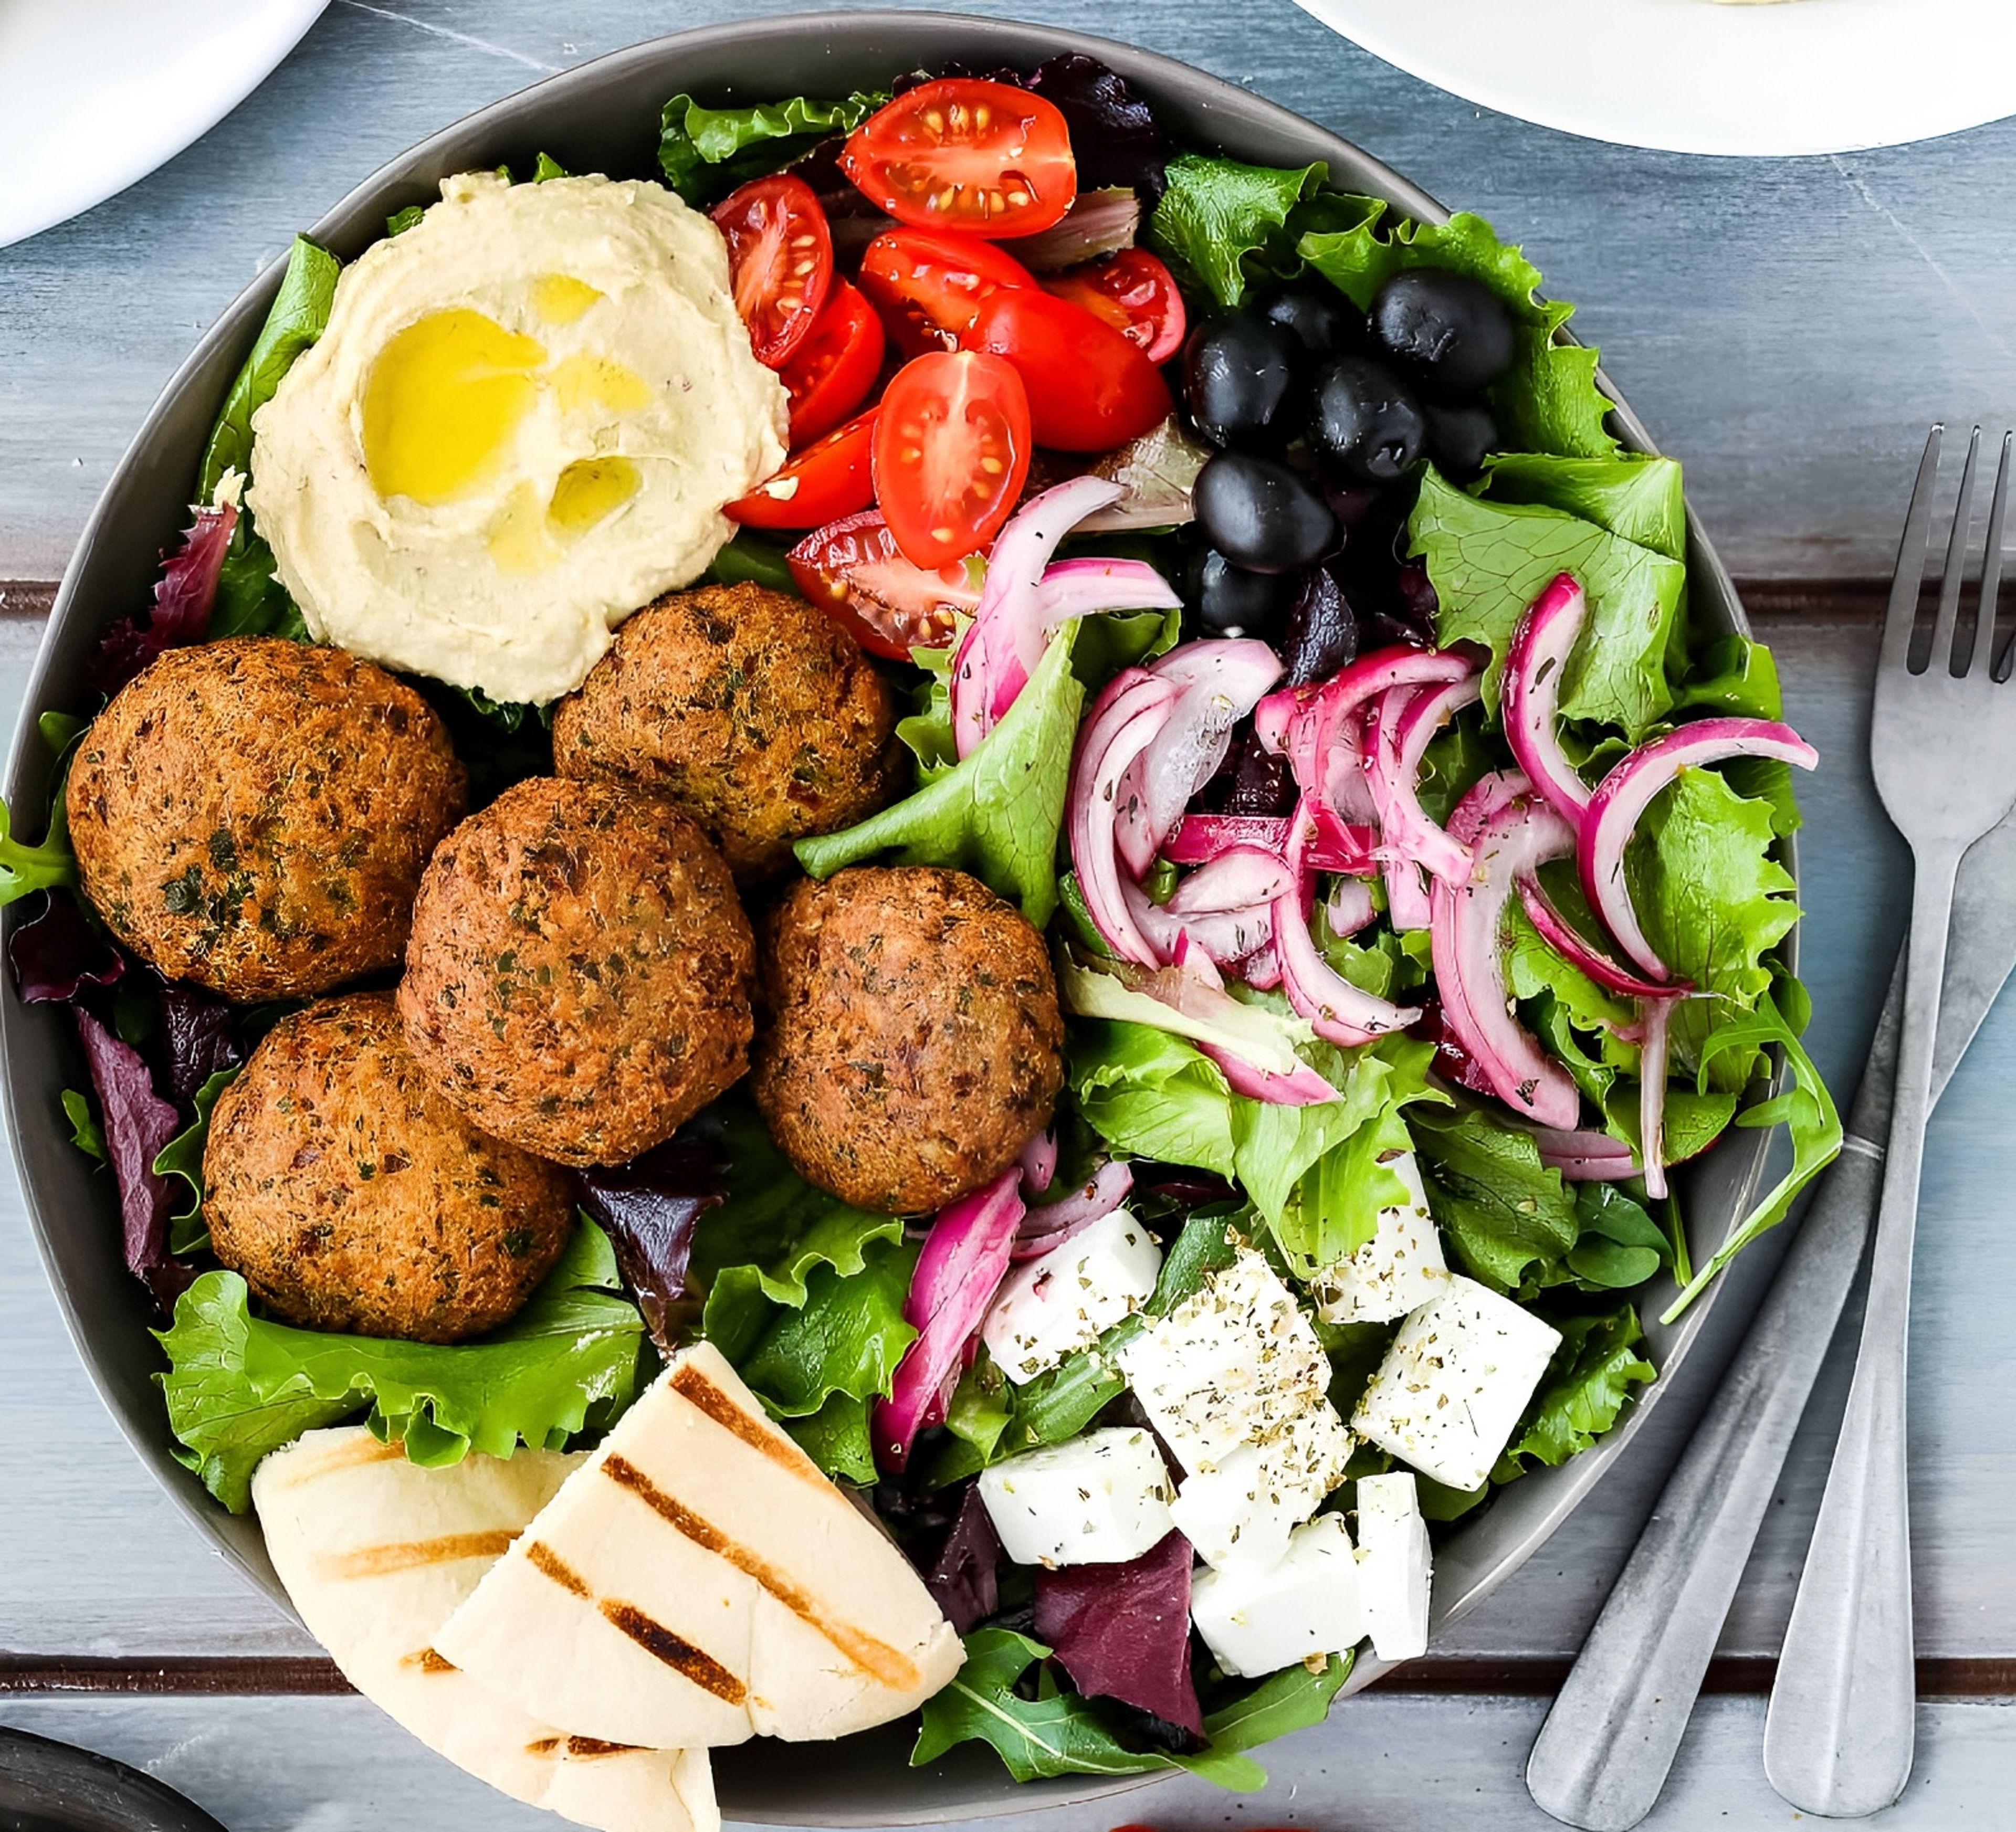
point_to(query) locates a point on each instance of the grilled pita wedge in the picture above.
(698, 1580)
(376, 1553)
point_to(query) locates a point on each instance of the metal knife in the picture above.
(1608, 1744)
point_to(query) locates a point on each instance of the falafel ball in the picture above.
(578, 979)
(749, 708)
(352, 1196)
(252, 815)
(916, 1046)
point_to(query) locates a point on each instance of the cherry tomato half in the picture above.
(832, 477)
(951, 451)
(960, 153)
(1134, 293)
(830, 372)
(1090, 389)
(780, 259)
(928, 283)
(853, 571)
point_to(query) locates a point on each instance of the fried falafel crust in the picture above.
(915, 1044)
(253, 814)
(579, 975)
(749, 708)
(351, 1196)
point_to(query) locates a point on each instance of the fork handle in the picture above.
(1839, 1734)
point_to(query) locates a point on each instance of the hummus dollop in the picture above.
(520, 425)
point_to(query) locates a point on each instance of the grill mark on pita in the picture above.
(361, 1450)
(689, 1662)
(429, 1660)
(886, 1664)
(546, 1560)
(406, 1555)
(703, 1395)
(578, 1748)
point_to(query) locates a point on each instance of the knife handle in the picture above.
(1607, 1745)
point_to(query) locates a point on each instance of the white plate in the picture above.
(1806, 75)
(96, 93)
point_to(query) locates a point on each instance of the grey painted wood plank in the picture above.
(1786, 326)
(1402, 1764)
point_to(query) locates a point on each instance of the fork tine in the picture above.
(1941, 653)
(1991, 565)
(1903, 611)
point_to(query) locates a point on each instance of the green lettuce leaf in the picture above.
(1151, 1094)
(239, 1386)
(846, 1338)
(1734, 675)
(1620, 1245)
(836, 1438)
(705, 152)
(1548, 402)
(1218, 217)
(1488, 561)
(1806, 1109)
(996, 815)
(1057, 1733)
(182, 1156)
(1636, 498)
(1580, 1395)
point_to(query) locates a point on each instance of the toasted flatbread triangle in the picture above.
(377, 1553)
(698, 1579)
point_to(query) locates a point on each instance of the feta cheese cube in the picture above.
(1053, 1307)
(1101, 1499)
(1454, 1383)
(1399, 1269)
(1245, 1508)
(1395, 1566)
(1259, 1618)
(1231, 1364)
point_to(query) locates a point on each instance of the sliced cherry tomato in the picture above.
(928, 283)
(1090, 389)
(833, 477)
(961, 153)
(780, 260)
(830, 372)
(951, 452)
(1134, 293)
(854, 571)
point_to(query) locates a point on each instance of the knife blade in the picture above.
(1608, 1744)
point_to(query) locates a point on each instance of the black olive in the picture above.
(1227, 600)
(1254, 781)
(1261, 515)
(1326, 321)
(1459, 436)
(1454, 331)
(1367, 420)
(1238, 375)
(1323, 630)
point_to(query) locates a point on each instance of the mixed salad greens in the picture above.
(1455, 840)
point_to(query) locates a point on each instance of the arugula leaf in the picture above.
(997, 814)
(1217, 215)
(1509, 1218)
(1488, 561)
(1548, 402)
(401, 221)
(1584, 1389)
(1805, 1109)
(85, 1133)
(1058, 1733)
(1637, 497)
(1621, 1245)
(26, 868)
(705, 152)
(239, 1386)
(750, 560)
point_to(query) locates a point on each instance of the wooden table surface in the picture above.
(1786, 327)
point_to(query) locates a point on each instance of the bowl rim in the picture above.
(1541, 1503)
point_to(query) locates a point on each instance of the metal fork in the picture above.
(1838, 1737)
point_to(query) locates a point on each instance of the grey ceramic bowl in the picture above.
(604, 118)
